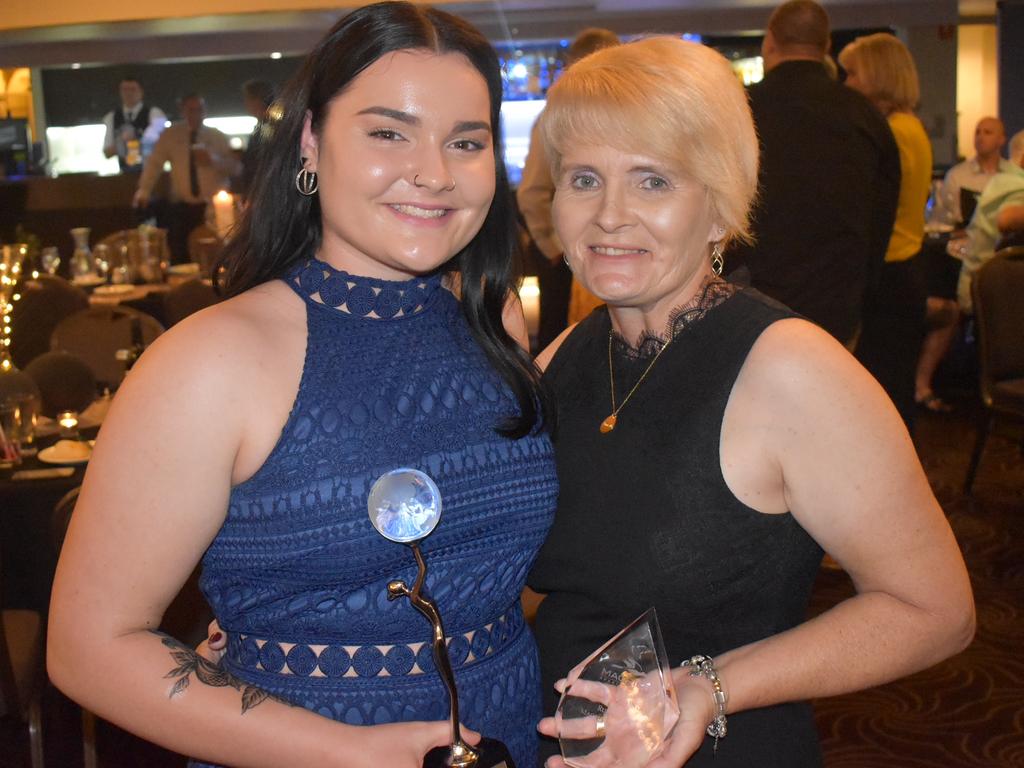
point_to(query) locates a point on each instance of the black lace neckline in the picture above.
(713, 291)
(364, 297)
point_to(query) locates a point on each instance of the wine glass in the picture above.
(50, 259)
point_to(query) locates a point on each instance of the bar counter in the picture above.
(49, 207)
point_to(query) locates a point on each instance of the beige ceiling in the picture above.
(55, 32)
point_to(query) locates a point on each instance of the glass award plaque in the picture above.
(619, 704)
(405, 506)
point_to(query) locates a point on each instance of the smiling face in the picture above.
(405, 163)
(636, 230)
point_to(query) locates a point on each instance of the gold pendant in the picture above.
(609, 424)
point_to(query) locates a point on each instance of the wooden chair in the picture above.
(105, 338)
(999, 318)
(22, 673)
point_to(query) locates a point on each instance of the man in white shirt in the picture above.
(133, 129)
(202, 163)
(972, 175)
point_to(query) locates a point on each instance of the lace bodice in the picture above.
(297, 575)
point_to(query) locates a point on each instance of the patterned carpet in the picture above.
(965, 713)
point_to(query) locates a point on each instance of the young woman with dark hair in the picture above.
(370, 325)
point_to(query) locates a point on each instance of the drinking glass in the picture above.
(10, 428)
(28, 406)
(50, 259)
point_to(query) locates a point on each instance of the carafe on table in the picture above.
(82, 263)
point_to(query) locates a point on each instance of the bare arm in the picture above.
(109, 142)
(155, 496)
(223, 157)
(837, 456)
(1010, 218)
(151, 171)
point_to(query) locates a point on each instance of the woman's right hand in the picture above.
(215, 645)
(404, 745)
(393, 744)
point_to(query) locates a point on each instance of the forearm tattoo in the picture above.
(189, 662)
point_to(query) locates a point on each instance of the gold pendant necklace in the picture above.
(612, 419)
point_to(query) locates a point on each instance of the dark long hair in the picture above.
(280, 227)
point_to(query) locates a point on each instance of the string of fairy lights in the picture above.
(10, 274)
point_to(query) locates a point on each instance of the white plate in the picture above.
(50, 456)
(88, 280)
(113, 290)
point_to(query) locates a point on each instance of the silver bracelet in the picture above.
(704, 666)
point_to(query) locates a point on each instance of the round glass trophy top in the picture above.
(404, 505)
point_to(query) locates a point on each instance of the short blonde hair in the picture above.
(669, 98)
(887, 70)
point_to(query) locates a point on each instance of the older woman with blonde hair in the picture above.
(710, 444)
(880, 67)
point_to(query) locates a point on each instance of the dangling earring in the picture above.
(306, 182)
(566, 260)
(717, 262)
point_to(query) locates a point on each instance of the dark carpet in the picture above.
(967, 712)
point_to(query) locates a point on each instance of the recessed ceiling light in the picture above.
(275, 55)
(76, 65)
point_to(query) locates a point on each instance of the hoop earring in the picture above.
(306, 182)
(566, 260)
(717, 262)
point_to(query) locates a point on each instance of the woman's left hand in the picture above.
(696, 710)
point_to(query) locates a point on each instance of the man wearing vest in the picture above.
(133, 129)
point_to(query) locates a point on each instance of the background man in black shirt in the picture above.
(829, 179)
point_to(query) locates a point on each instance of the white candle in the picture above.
(529, 295)
(224, 213)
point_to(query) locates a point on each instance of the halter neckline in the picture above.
(372, 298)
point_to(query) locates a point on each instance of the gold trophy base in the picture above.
(490, 753)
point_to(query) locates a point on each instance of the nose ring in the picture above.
(449, 188)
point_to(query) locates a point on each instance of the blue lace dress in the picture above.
(297, 575)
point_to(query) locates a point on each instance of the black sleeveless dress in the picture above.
(645, 518)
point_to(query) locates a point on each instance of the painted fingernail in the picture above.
(216, 637)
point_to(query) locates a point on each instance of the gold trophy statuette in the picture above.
(405, 506)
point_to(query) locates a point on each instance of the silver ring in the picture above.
(599, 726)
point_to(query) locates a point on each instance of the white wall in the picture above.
(977, 80)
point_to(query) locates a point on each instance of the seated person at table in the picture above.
(249, 435)
(710, 445)
(1000, 212)
(971, 175)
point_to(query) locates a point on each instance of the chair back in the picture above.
(999, 315)
(188, 297)
(21, 662)
(10, 700)
(65, 381)
(106, 338)
(45, 301)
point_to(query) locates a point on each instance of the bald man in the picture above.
(972, 175)
(829, 179)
